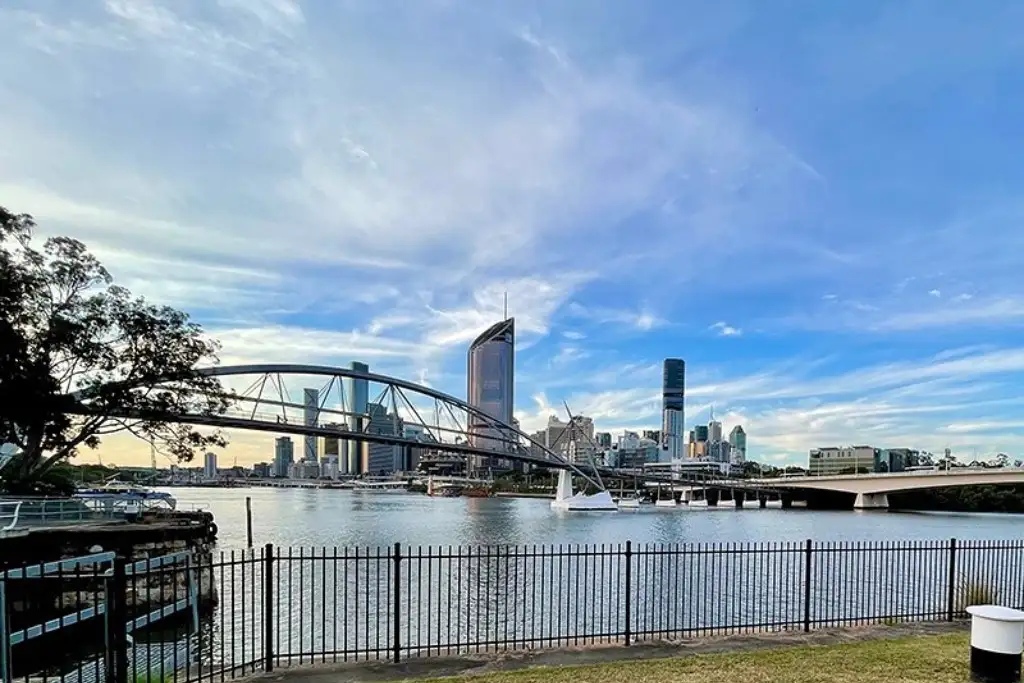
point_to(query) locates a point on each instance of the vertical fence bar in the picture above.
(808, 550)
(629, 586)
(951, 595)
(268, 607)
(5, 638)
(117, 622)
(396, 646)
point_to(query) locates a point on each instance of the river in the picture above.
(339, 518)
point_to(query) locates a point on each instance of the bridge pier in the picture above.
(871, 501)
(787, 501)
(712, 496)
(738, 500)
(762, 501)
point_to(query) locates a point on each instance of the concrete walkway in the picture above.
(431, 667)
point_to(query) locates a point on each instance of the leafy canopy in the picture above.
(81, 358)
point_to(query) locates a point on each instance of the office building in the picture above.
(329, 467)
(896, 459)
(284, 456)
(210, 466)
(331, 445)
(603, 439)
(263, 470)
(719, 451)
(304, 469)
(673, 400)
(701, 432)
(383, 458)
(842, 460)
(490, 380)
(738, 439)
(632, 450)
(714, 431)
(310, 418)
(357, 393)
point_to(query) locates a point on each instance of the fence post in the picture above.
(396, 645)
(268, 607)
(629, 588)
(5, 638)
(808, 550)
(117, 623)
(951, 597)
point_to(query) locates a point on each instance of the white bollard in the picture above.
(997, 639)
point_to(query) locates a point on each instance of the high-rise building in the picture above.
(701, 432)
(604, 439)
(284, 455)
(738, 439)
(383, 458)
(331, 445)
(210, 466)
(357, 392)
(714, 431)
(673, 400)
(262, 470)
(310, 417)
(491, 376)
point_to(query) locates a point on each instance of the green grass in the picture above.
(924, 659)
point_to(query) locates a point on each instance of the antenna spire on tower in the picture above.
(505, 316)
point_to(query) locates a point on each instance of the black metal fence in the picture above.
(244, 611)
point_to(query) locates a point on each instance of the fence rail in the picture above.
(273, 607)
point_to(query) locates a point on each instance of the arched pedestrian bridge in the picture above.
(871, 490)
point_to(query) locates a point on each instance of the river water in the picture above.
(339, 518)
(491, 574)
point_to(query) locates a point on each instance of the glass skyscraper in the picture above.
(673, 401)
(491, 375)
(357, 393)
(310, 418)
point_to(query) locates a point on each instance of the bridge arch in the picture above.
(531, 452)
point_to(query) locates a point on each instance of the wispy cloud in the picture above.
(332, 181)
(726, 330)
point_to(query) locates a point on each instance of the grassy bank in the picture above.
(924, 659)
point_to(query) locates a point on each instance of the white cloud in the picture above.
(725, 330)
(642, 320)
(935, 293)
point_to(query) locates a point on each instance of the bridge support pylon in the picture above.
(871, 501)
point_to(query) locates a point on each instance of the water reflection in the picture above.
(310, 517)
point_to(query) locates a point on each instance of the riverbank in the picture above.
(516, 494)
(935, 652)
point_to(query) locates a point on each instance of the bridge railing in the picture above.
(275, 607)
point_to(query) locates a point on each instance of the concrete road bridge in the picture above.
(871, 490)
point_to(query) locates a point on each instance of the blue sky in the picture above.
(817, 205)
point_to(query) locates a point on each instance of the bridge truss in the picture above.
(369, 408)
(366, 408)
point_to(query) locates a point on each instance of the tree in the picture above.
(80, 358)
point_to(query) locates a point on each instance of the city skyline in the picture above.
(818, 211)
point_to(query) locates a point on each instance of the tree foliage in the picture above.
(81, 358)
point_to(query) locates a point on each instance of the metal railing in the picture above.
(35, 512)
(9, 511)
(260, 609)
